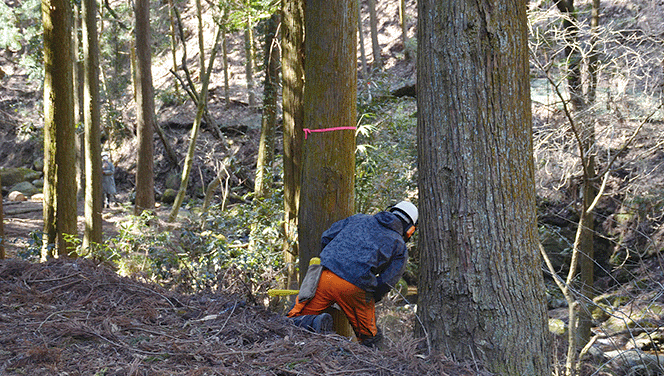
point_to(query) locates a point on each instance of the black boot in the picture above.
(322, 323)
(374, 341)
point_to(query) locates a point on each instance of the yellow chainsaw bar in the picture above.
(281, 292)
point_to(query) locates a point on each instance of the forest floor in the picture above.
(75, 318)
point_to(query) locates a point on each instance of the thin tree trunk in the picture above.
(292, 72)
(202, 102)
(581, 274)
(217, 180)
(373, 23)
(174, 44)
(572, 53)
(265, 158)
(78, 104)
(224, 53)
(93, 193)
(249, 61)
(2, 226)
(481, 291)
(167, 146)
(145, 111)
(360, 35)
(404, 28)
(593, 57)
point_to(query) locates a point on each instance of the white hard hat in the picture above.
(405, 210)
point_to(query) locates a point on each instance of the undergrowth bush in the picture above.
(243, 241)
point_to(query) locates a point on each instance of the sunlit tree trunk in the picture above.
(360, 35)
(249, 60)
(593, 58)
(373, 25)
(224, 56)
(174, 45)
(403, 21)
(265, 159)
(572, 53)
(93, 193)
(59, 144)
(201, 105)
(144, 110)
(581, 274)
(292, 72)
(481, 291)
(330, 97)
(78, 77)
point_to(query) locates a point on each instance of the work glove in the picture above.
(380, 291)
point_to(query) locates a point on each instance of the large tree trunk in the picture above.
(481, 288)
(330, 97)
(93, 194)
(144, 110)
(292, 73)
(265, 159)
(59, 143)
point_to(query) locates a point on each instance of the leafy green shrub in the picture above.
(32, 252)
(238, 248)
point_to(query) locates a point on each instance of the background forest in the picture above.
(213, 265)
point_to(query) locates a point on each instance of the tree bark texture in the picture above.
(572, 53)
(59, 139)
(249, 60)
(144, 110)
(2, 226)
(360, 35)
(91, 113)
(292, 76)
(330, 101)
(265, 159)
(174, 43)
(78, 78)
(593, 57)
(403, 21)
(481, 288)
(224, 56)
(373, 26)
(330, 97)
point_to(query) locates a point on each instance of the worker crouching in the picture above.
(362, 257)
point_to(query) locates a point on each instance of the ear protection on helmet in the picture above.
(406, 217)
(410, 231)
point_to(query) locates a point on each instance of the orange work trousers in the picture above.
(359, 307)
